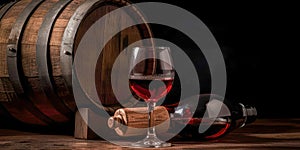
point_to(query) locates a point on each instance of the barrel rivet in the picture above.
(67, 53)
(12, 50)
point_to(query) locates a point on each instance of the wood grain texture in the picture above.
(62, 110)
(30, 66)
(82, 130)
(17, 109)
(137, 118)
(264, 134)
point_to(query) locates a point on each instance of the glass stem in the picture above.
(151, 129)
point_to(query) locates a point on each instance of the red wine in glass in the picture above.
(150, 88)
(151, 78)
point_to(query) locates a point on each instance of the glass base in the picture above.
(151, 142)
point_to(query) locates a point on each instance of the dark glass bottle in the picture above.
(213, 117)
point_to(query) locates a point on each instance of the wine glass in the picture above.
(151, 78)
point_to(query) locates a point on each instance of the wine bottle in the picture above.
(211, 118)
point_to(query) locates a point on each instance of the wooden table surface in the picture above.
(262, 134)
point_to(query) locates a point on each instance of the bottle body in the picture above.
(214, 128)
(212, 118)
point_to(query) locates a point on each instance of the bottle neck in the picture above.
(249, 114)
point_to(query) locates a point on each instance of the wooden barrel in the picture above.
(38, 40)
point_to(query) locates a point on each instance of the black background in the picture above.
(258, 41)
